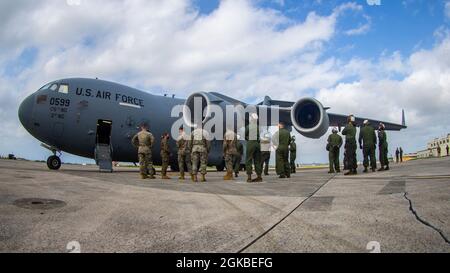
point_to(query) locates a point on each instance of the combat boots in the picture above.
(351, 172)
(144, 176)
(257, 179)
(228, 176)
(249, 178)
(181, 176)
(365, 170)
(194, 178)
(203, 178)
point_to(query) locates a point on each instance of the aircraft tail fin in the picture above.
(269, 102)
(403, 118)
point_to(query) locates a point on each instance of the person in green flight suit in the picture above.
(367, 143)
(350, 145)
(383, 148)
(292, 154)
(281, 140)
(253, 151)
(333, 147)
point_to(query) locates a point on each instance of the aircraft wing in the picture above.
(286, 107)
(341, 120)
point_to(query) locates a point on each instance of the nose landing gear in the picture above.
(53, 162)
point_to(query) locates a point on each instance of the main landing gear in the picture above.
(53, 162)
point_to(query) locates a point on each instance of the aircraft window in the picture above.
(54, 87)
(45, 86)
(64, 88)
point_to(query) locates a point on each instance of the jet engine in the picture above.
(203, 101)
(310, 118)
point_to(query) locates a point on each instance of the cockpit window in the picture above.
(63, 88)
(45, 86)
(53, 87)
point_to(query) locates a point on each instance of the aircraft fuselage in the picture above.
(64, 114)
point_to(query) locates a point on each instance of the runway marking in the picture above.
(395, 186)
(320, 203)
(284, 218)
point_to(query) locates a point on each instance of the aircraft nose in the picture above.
(25, 110)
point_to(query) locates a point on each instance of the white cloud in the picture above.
(424, 92)
(447, 9)
(362, 29)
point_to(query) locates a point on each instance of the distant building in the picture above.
(432, 147)
(424, 154)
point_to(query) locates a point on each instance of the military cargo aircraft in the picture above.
(96, 119)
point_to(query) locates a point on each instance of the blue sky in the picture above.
(370, 60)
(396, 25)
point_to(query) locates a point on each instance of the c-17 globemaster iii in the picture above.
(96, 119)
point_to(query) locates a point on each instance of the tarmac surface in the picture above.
(406, 209)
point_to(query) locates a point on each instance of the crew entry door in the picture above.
(103, 147)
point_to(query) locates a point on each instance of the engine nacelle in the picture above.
(203, 101)
(309, 118)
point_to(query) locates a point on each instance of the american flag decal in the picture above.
(41, 99)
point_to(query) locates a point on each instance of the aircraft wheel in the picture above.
(53, 162)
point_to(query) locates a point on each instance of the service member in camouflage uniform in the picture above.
(253, 150)
(229, 151)
(368, 143)
(144, 141)
(184, 152)
(165, 155)
(333, 146)
(292, 154)
(350, 145)
(383, 147)
(200, 146)
(281, 140)
(238, 157)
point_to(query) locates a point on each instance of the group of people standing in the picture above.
(193, 152)
(368, 139)
(399, 155)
